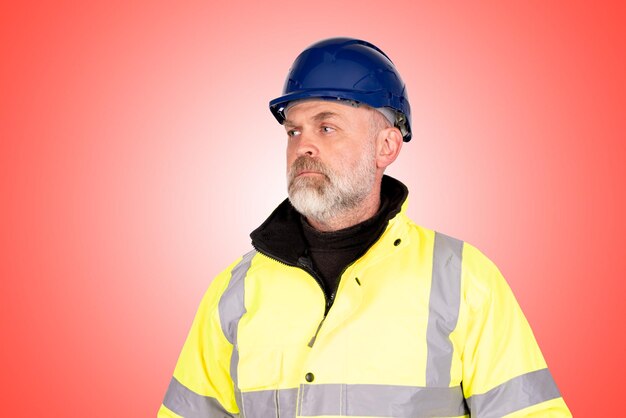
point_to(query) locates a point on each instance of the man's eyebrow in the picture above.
(324, 115)
(317, 118)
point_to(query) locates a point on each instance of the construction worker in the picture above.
(345, 307)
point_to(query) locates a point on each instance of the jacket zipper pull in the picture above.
(310, 344)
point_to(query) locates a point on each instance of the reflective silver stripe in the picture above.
(520, 392)
(356, 400)
(270, 403)
(443, 308)
(381, 401)
(287, 400)
(189, 404)
(232, 307)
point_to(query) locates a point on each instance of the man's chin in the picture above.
(308, 203)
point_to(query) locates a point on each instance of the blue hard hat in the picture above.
(346, 69)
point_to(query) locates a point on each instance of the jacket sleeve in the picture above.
(202, 385)
(504, 373)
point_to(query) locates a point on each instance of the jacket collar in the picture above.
(281, 236)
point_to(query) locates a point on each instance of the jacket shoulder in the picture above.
(478, 270)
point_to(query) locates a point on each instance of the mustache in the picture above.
(304, 163)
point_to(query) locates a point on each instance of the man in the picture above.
(345, 307)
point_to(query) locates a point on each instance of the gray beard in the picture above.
(325, 197)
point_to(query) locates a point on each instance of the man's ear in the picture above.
(388, 145)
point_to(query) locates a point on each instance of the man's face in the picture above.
(331, 164)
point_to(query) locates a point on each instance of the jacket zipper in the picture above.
(304, 263)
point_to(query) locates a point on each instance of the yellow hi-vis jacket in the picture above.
(422, 325)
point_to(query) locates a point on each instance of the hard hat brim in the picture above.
(374, 99)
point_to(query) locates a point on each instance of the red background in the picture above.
(137, 152)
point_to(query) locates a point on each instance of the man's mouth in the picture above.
(309, 173)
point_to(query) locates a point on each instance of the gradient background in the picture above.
(137, 153)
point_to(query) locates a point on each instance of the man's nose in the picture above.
(307, 145)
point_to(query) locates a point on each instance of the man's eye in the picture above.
(293, 132)
(327, 129)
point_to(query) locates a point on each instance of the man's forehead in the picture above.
(320, 110)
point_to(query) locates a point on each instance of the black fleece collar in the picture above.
(281, 236)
